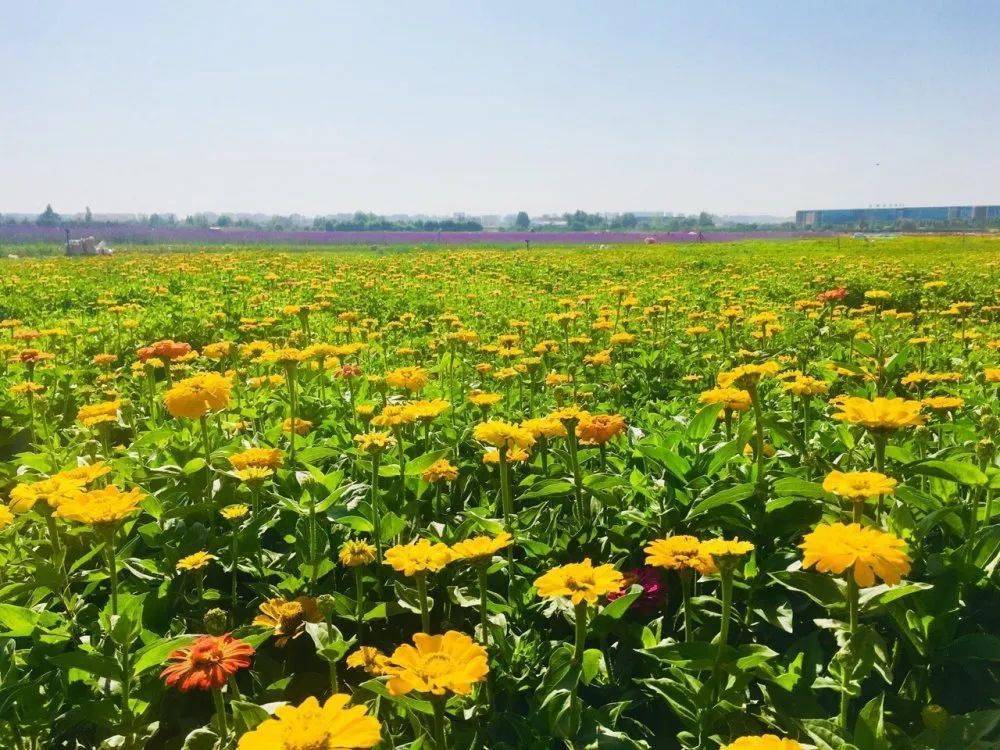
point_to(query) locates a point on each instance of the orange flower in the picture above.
(207, 663)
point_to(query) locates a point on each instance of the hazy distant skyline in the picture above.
(439, 107)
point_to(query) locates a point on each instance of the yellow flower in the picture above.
(411, 379)
(258, 458)
(679, 552)
(426, 411)
(503, 435)
(374, 442)
(437, 664)
(480, 548)
(95, 414)
(882, 414)
(598, 429)
(100, 507)
(544, 427)
(806, 386)
(992, 374)
(287, 618)
(302, 426)
(369, 659)
(197, 396)
(943, 403)
(440, 471)
(419, 557)
(309, 726)
(724, 551)
(746, 376)
(484, 400)
(835, 547)
(197, 561)
(569, 415)
(763, 742)
(394, 415)
(733, 399)
(356, 553)
(6, 517)
(287, 357)
(858, 485)
(581, 582)
(235, 512)
(254, 474)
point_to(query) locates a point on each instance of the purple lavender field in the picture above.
(126, 233)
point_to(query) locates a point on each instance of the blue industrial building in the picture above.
(921, 215)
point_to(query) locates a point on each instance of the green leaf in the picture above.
(619, 606)
(377, 687)
(593, 664)
(730, 496)
(547, 488)
(874, 597)
(155, 654)
(22, 621)
(824, 590)
(91, 663)
(248, 715)
(194, 466)
(954, 471)
(693, 655)
(869, 729)
(981, 646)
(701, 426)
(793, 487)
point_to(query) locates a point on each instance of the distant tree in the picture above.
(224, 221)
(705, 220)
(48, 217)
(87, 216)
(523, 221)
(629, 221)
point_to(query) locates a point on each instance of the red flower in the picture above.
(207, 663)
(166, 350)
(832, 295)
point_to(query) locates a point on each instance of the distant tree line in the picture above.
(581, 221)
(363, 222)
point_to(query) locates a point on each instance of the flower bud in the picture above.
(326, 605)
(985, 450)
(935, 717)
(216, 621)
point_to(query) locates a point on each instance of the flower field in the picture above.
(737, 496)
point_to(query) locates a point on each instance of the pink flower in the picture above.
(654, 592)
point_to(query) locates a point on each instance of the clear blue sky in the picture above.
(322, 107)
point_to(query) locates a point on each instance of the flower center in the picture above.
(206, 655)
(582, 584)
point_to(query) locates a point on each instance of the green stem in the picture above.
(852, 627)
(425, 613)
(220, 715)
(234, 550)
(359, 597)
(574, 460)
(483, 599)
(727, 608)
(759, 438)
(686, 581)
(440, 741)
(581, 632)
(376, 512)
(292, 408)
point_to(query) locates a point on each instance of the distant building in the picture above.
(926, 215)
